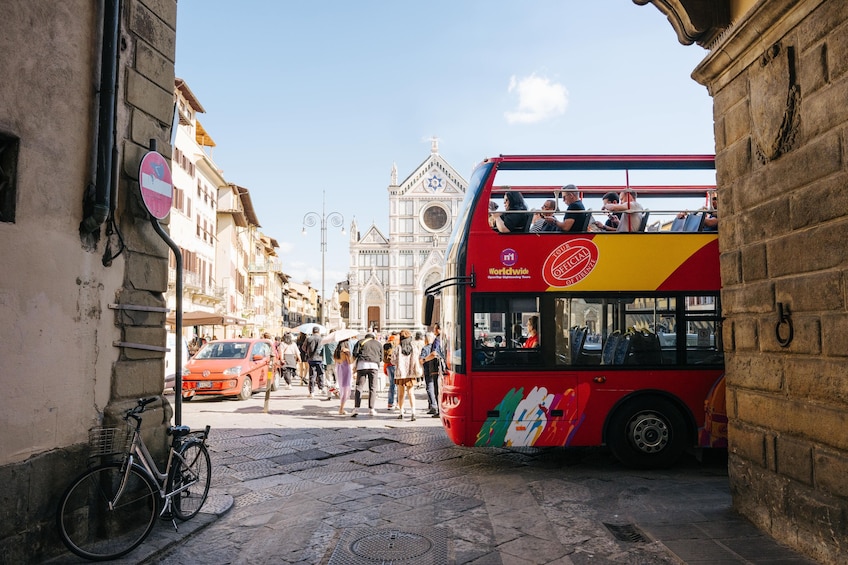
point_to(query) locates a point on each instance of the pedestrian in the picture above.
(278, 369)
(302, 366)
(290, 356)
(389, 367)
(367, 354)
(343, 360)
(328, 350)
(275, 358)
(315, 358)
(418, 340)
(432, 358)
(407, 370)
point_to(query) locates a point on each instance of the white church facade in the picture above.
(389, 272)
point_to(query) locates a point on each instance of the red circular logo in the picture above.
(570, 263)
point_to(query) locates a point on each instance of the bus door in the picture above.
(520, 396)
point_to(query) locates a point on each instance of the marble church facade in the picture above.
(389, 271)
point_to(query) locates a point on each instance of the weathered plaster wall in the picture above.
(60, 371)
(779, 78)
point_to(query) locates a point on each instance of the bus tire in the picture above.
(648, 432)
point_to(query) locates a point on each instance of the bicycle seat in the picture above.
(179, 431)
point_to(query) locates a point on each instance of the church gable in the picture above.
(374, 237)
(433, 177)
(435, 260)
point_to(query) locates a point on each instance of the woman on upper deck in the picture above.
(510, 221)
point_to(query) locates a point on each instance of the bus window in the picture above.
(635, 331)
(703, 331)
(503, 330)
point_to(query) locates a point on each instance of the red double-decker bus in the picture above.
(588, 337)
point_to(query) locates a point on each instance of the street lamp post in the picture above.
(310, 219)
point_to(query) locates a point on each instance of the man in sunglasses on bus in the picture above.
(576, 218)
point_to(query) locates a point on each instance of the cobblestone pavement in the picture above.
(303, 484)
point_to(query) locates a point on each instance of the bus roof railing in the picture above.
(603, 162)
(659, 190)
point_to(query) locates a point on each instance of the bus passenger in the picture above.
(576, 219)
(532, 336)
(493, 207)
(540, 218)
(710, 214)
(506, 222)
(631, 210)
(613, 219)
(711, 218)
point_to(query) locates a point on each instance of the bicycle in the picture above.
(111, 508)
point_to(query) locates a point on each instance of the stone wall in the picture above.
(779, 78)
(61, 370)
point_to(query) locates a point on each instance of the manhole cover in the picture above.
(626, 532)
(390, 545)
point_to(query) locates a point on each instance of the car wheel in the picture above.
(246, 388)
(647, 433)
(275, 382)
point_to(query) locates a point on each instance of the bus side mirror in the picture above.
(429, 302)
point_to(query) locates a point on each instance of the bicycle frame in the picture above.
(146, 461)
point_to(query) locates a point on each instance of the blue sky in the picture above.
(324, 96)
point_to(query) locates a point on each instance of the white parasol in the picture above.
(339, 335)
(307, 328)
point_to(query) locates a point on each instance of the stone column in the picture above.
(778, 78)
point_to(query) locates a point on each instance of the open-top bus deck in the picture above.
(589, 337)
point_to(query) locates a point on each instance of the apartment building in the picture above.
(233, 279)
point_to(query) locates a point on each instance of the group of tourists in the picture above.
(337, 368)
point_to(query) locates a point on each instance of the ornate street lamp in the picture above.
(310, 219)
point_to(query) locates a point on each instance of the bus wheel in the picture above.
(647, 432)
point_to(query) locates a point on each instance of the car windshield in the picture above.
(223, 350)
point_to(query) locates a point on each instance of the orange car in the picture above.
(229, 367)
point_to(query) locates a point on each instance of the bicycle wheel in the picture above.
(191, 473)
(96, 526)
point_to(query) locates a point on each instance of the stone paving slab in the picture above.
(302, 485)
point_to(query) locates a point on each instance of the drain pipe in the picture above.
(107, 129)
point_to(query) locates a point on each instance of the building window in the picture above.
(405, 277)
(9, 147)
(405, 308)
(405, 225)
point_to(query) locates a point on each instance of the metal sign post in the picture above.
(157, 192)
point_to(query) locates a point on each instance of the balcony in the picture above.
(270, 267)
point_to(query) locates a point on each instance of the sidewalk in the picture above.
(306, 485)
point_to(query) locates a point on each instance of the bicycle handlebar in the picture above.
(139, 407)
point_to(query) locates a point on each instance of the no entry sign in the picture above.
(157, 188)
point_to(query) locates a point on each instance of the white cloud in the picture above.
(538, 99)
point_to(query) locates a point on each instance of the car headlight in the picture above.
(233, 370)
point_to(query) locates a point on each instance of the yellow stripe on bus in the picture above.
(638, 261)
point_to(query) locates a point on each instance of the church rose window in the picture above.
(435, 217)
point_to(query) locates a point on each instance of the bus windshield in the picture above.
(590, 283)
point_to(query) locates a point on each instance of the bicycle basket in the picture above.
(109, 441)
